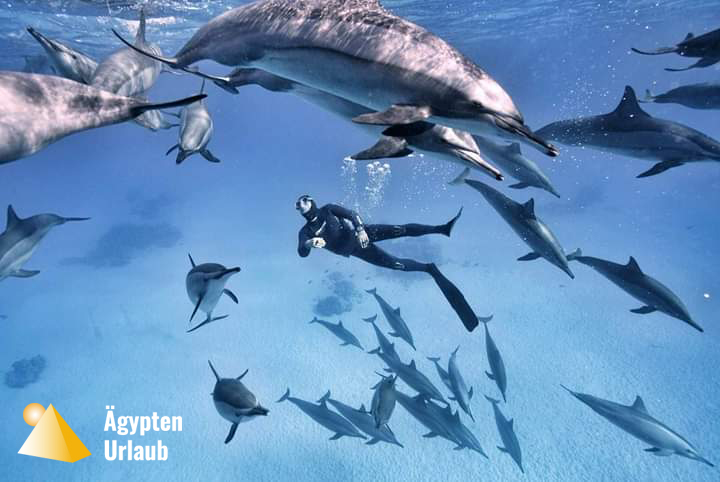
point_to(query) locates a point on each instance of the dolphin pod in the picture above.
(324, 416)
(205, 284)
(365, 422)
(705, 46)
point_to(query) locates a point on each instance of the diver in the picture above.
(342, 231)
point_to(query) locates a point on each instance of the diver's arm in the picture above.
(304, 244)
(355, 219)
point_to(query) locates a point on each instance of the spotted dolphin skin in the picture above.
(357, 50)
(695, 96)
(339, 331)
(196, 130)
(324, 416)
(234, 402)
(705, 46)
(205, 284)
(70, 63)
(21, 238)
(637, 421)
(654, 295)
(630, 131)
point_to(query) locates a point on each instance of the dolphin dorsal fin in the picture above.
(639, 405)
(511, 423)
(514, 147)
(689, 36)
(362, 408)
(340, 324)
(412, 364)
(397, 311)
(140, 35)
(12, 217)
(192, 261)
(529, 208)
(628, 106)
(633, 265)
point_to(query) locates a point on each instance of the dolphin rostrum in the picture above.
(630, 131)
(339, 331)
(654, 295)
(357, 50)
(506, 429)
(21, 238)
(705, 46)
(324, 416)
(234, 402)
(365, 422)
(531, 229)
(497, 366)
(637, 421)
(205, 283)
(394, 319)
(695, 96)
(196, 130)
(70, 63)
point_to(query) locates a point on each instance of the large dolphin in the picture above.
(430, 415)
(432, 140)
(383, 401)
(205, 284)
(654, 295)
(506, 429)
(363, 420)
(531, 229)
(234, 402)
(69, 63)
(384, 344)
(37, 110)
(21, 238)
(394, 319)
(497, 366)
(357, 50)
(324, 416)
(196, 130)
(705, 46)
(339, 331)
(637, 421)
(695, 96)
(630, 131)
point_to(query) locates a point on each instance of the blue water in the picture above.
(109, 309)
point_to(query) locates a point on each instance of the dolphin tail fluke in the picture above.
(494, 401)
(660, 51)
(648, 97)
(143, 107)
(314, 320)
(574, 255)
(217, 377)
(372, 318)
(324, 398)
(456, 299)
(703, 62)
(448, 227)
(231, 434)
(485, 319)
(209, 156)
(208, 320)
(434, 359)
(372, 292)
(460, 178)
(284, 397)
(24, 273)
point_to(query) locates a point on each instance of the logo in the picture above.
(52, 438)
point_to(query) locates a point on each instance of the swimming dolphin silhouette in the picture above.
(205, 283)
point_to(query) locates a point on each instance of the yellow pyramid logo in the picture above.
(52, 437)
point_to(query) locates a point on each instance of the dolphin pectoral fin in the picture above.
(460, 178)
(453, 399)
(470, 393)
(208, 320)
(490, 375)
(385, 147)
(660, 167)
(345, 343)
(659, 452)
(197, 305)
(372, 441)
(209, 156)
(24, 273)
(392, 333)
(231, 295)
(243, 374)
(396, 114)
(231, 434)
(519, 185)
(703, 62)
(529, 257)
(502, 449)
(430, 435)
(176, 146)
(644, 310)
(336, 436)
(459, 447)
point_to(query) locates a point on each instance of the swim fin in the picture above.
(455, 298)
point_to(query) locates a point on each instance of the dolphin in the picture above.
(705, 46)
(234, 402)
(430, 415)
(466, 438)
(630, 131)
(497, 366)
(69, 63)
(695, 96)
(413, 377)
(442, 373)
(38, 110)
(21, 238)
(637, 421)
(339, 331)
(396, 322)
(365, 422)
(205, 283)
(324, 416)
(654, 295)
(357, 50)
(531, 229)
(154, 120)
(196, 130)
(384, 344)
(383, 401)
(433, 140)
(507, 434)
(461, 394)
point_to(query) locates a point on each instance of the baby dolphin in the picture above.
(506, 428)
(396, 322)
(196, 129)
(383, 401)
(70, 63)
(357, 50)
(324, 416)
(637, 421)
(365, 422)
(38, 110)
(205, 283)
(630, 131)
(234, 402)
(497, 367)
(654, 295)
(384, 344)
(695, 96)
(21, 238)
(705, 46)
(339, 331)
(531, 229)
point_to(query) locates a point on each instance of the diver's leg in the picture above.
(378, 257)
(381, 232)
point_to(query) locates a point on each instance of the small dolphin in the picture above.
(365, 422)
(38, 110)
(695, 96)
(383, 401)
(631, 279)
(462, 432)
(384, 344)
(205, 283)
(21, 238)
(430, 415)
(339, 331)
(396, 322)
(196, 129)
(461, 394)
(497, 367)
(442, 373)
(507, 434)
(630, 131)
(635, 420)
(68, 62)
(530, 228)
(234, 402)
(155, 121)
(705, 46)
(324, 416)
